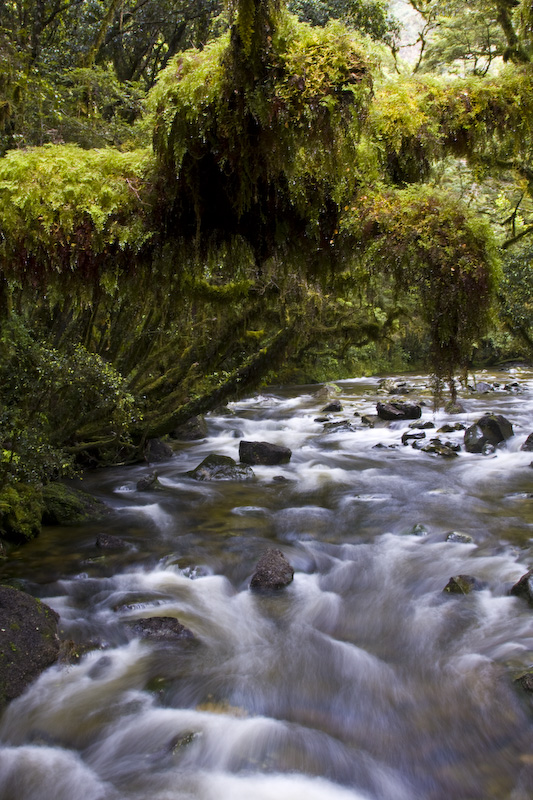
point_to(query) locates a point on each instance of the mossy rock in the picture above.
(28, 641)
(20, 512)
(64, 505)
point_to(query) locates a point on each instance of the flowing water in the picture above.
(362, 680)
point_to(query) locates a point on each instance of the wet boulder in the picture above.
(482, 387)
(28, 641)
(454, 407)
(463, 584)
(457, 536)
(422, 426)
(399, 410)
(447, 428)
(149, 483)
(162, 629)
(525, 681)
(338, 427)
(332, 407)
(524, 587)
(220, 468)
(440, 448)
(263, 453)
(409, 436)
(528, 444)
(272, 571)
(486, 433)
(192, 430)
(157, 450)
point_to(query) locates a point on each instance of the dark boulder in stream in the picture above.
(263, 453)
(273, 571)
(487, 432)
(28, 641)
(162, 629)
(528, 444)
(392, 411)
(157, 450)
(220, 468)
(194, 429)
(106, 541)
(524, 587)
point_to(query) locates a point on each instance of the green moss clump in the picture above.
(63, 208)
(64, 505)
(274, 140)
(20, 512)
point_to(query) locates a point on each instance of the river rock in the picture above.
(457, 536)
(338, 426)
(162, 629)
(106, 541)
(440, 448)
(422, 426)
(454, 407)
(393, 411)
(263, 453)
(482, 387)
(64, 505)
(220, 468)
(191, 431)
(525, 681)
(28, 641)
(410, 437)
(157, 450)
(528, 444)
(447, 428)
(273, 571)
(524, 587)
(463, 584)
(490, 429)
(149, 483)
(332, 407)
(327, 392)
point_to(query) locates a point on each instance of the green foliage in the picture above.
(432, 246)
(63, 208)
(277, 145)
(20, 512)
(370, 17)
(48, 397)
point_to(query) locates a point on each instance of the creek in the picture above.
(362, 680)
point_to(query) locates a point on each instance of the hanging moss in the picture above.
(62, 209)
(432, 246)
(249, 153)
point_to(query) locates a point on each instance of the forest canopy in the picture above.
(282, 200)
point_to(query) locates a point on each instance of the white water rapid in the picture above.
(361, 680)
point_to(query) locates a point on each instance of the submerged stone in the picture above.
(64, 505)
(162, 629)
(456, 536)
(463, 584)
(272, 571)
(105, 541)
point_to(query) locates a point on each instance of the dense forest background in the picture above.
(200, 197)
